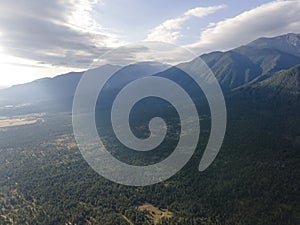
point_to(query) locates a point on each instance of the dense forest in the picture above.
(254, 180)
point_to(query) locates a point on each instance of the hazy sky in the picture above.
(45, 38)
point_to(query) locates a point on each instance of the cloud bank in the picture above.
(271, 19)
(55, 32)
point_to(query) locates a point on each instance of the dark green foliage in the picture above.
(254, 179)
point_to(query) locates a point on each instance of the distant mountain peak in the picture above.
(293, 39)
(289, 43)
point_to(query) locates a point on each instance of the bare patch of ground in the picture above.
(20, 120)
(66, 141)
(155, 214)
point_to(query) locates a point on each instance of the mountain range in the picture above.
(266, 66)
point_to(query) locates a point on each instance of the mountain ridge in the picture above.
(290, 42)
(249, 63)
(241, 67)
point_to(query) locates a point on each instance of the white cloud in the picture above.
(204, 11)
(169, 31)
(271, 19)
(81, 15)
(60, 33)
(44, 38)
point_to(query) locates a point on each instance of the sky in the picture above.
(42, 38)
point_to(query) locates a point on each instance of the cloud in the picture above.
(204, 11)
(169, 31)
(158, 52)
(53, 32)
(271, 19)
